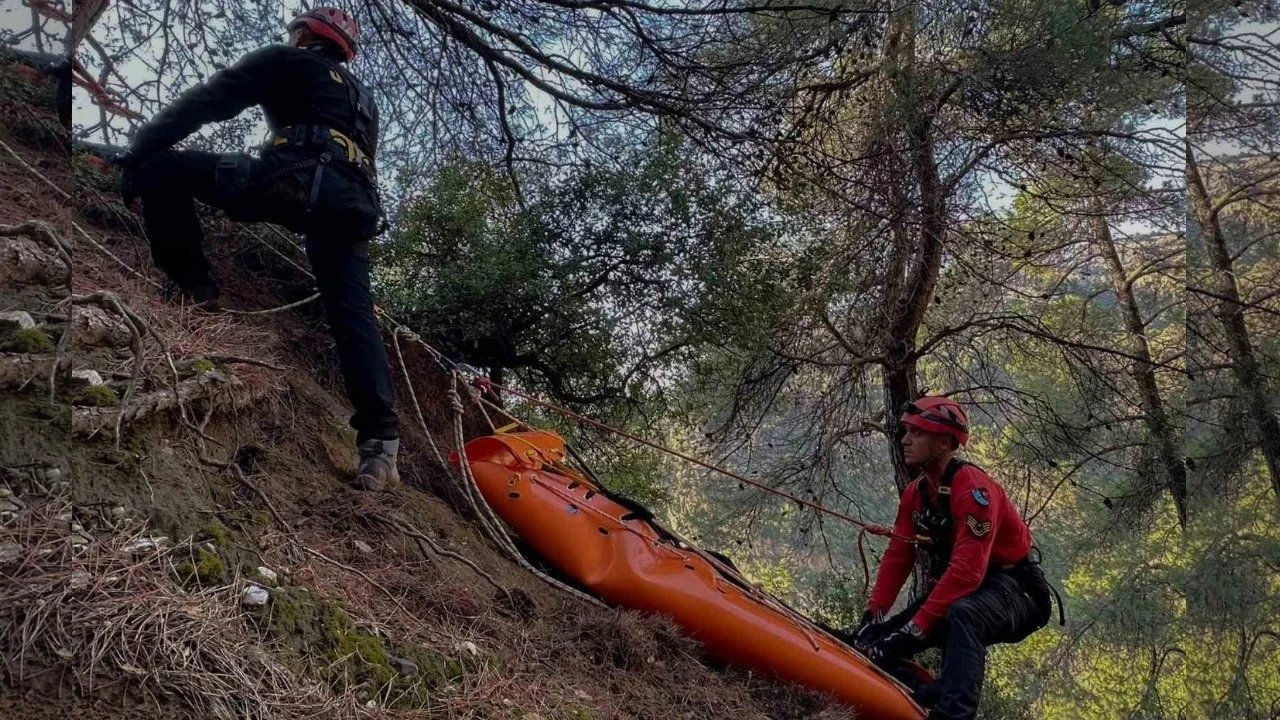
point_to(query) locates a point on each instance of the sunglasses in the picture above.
(941, 416)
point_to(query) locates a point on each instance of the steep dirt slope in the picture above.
(126, 562)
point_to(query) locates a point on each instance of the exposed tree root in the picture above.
(244, 480)
(91, 421)
(40, 230)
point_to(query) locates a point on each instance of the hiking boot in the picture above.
(202, 297)
(377, 469)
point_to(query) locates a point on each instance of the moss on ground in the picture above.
(202, 366)
(217, 533)
(205, 568)
(321, 632)
(28, 340)
(354, 658)
(96, 396)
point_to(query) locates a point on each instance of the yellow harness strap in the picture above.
(354, 153)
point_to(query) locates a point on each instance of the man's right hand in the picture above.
(897, 645)
(870, 630)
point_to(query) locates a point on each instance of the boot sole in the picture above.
(369, 483)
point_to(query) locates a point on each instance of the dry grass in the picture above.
(544, 652)
(190, 332)
(109, 616)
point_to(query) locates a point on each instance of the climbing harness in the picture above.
(1057, 597)
(329, 140)
(934, 521)
(357, 149)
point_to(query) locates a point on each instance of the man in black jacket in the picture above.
(316, 176)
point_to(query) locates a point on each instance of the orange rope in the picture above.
(486, 384)
(104, 99)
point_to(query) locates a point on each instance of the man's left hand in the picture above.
(898, 644)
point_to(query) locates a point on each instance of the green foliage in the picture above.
(656, 278)
(591, 288)
(637, 473)
(837, 600)
(88, 173)
(15, 82)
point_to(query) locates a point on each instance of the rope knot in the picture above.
(455, 401)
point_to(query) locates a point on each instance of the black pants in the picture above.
(1006, 608)
(276, 189)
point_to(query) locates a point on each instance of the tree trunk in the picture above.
(900, 379)
(899, 388)
(1244, 364)
(1157, 420)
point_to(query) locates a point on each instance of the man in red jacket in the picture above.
(980, 586)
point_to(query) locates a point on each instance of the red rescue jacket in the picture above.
(983, 529)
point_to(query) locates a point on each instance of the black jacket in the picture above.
(294, 86)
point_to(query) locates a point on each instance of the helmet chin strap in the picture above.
(938, 461)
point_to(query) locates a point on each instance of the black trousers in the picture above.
(276, 189)
(1006, 608)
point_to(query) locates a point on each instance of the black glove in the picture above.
(128, 163)
(897, 645)
(872, 627)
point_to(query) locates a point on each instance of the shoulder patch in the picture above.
(981, 497)
(976, 526)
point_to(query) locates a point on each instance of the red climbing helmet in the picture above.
(938, 415)
(331, 23)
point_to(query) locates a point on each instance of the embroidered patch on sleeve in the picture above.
(980, 496)
(976, 526)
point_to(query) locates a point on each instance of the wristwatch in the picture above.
(914, 630)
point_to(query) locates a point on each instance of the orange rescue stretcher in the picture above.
(616, 551)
